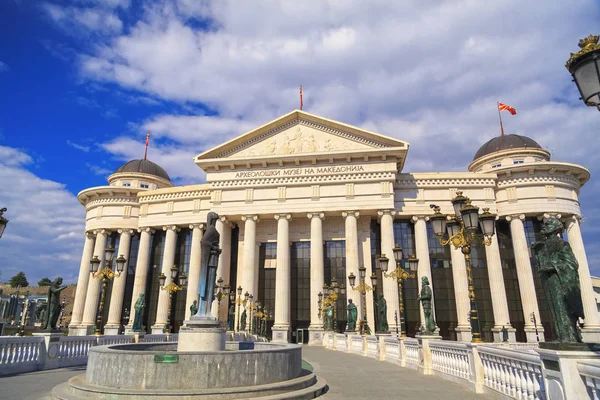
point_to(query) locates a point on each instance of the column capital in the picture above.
(318, 214)
(381, 213)
(225, 220)
(201, 226)
(547, 215)
(173, 228)
(101, 232)
(515, 216)
(122, 231)
(283, 216)
(354, 214)
(416, 218)
(146, 229)
(574, 217)
(89, 234)
(252, 217)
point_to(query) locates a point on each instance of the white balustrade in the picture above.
(115, 339)
(71, 350)
(373, 347)
(154, 338)
(590, 373)
(357, 344)
(341, 342)
(450, 358)
(412, 351)
(20, 354)
(391, 347)
(174, 337)
(516, 374)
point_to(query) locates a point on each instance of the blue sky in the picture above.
(81, 82)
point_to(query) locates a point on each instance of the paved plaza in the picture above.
(349, 376)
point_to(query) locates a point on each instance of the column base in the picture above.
(497, 334)
(463, 334)
(111, 329)
(591, 335)
(281, 334)
(81, 330)
(531, 335)
(158, 329)
(201, 335)
(315, 336)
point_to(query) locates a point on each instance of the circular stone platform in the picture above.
(157, 370)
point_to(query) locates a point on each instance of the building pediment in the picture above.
(297, 136)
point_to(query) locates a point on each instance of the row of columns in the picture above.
(86, 299)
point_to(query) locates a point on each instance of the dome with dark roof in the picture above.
(506, 142)
(144, 167)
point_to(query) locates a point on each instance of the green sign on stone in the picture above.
(166, 358)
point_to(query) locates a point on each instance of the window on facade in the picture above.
(442, 285)
(404, 236)
(113, 240)
(496, 165)
(154, 270)
(144, 185)
(127, 184)
(375, 253)
(126, 312)
(335, 265)
(182, 261)
(267, 263)
(518, 161)
(300, 296)
(481, 283)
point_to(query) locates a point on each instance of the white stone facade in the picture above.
(303, 178)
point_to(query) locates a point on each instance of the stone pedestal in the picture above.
(427, 365)
(315, 336)
(201, 334)
(497, 333)
(559, 367)
(51, 340)
(532, 337)
(111, 329)
(281, 334)
(590, 335)
(463, 334)
(80, 330)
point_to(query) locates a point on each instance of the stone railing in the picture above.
(372, 347)
(450, 358)
(590, 373)
(341, 342)
(391, 349)
(413, 358)
(154, 338)
(21, 354)
(113, 339)
(357, 345)
(516, 374)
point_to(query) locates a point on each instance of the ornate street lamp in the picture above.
(401, 273)
(172, 287)
(584, 66)
(238, 302)
(331, 293)
(251, 308)
(362, 288)
(461, 234)
(3, 221)
(105, 274)
(221, 291)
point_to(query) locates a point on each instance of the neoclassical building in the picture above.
(303, 199)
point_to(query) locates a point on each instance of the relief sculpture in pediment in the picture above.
(300, 140)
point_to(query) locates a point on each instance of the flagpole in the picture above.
(301, 102)
(147, 139)
(500, 116)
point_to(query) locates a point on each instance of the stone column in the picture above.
(167, 262)
(498, 292)
(390, 287)
(317, 276)
(591, 327)
(248, 256)
(193, 286)
(461, 294)
(141, 271)
(92, 297)
(224, 228)
(281, 326)
(525, 277)
(118, 289)
(422, 253)
(82, 285)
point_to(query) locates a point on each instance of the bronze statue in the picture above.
(425, 298)
(504, 334)
(243, 322)
(231, 317)
(328, 320)
(194, 308)
(208, 265)
(557, 267)
(352, 316)
(53, 304)
(140, 304)
(382, 324)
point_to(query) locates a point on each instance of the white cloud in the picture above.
(3, 67)
(81, 147)
(74, 19)
(42, 214)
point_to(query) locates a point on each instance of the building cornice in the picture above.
(445, 179)
(108, 194)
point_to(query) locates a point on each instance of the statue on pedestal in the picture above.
(194, 308)
(208, 265)
(352, 316)
(243, 322)
(231, 318)
(557, 267)
(140, 304)
(504, 334)
(382, 324)
(53, 304)
(425, 297)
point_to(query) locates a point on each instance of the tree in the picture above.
(19, 280)
(44, 282)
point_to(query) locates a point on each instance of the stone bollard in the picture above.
(426, 360)
(476, 375)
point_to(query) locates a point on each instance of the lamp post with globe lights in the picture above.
(584, 67)
(221, 292)
(105, 274)
(363, 288)
(460, 230)
(172, 287)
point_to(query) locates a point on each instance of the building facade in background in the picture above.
(304, 199)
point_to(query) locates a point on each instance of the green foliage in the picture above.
(44, 282)
(19, 280)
